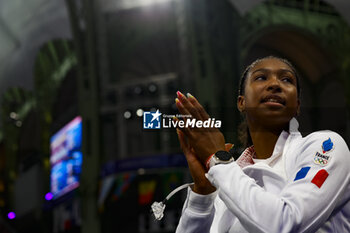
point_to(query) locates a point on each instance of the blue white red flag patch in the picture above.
(320, 178)
(302, 173)
(327, 145)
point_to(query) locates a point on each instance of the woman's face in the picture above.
(270, 94)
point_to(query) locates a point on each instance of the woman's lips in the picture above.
(273, 100)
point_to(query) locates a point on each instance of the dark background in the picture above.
(104, 60)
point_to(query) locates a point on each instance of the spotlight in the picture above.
(127, 114)
(139, 112)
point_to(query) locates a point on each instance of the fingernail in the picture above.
(179, 93)
(178, 102)
(189, 95)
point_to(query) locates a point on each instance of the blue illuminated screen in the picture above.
(66, 158)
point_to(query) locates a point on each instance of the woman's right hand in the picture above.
(197, 170)
(205, 141)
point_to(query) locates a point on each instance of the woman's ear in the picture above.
(241, 103)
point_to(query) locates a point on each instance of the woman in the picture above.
(283, 182)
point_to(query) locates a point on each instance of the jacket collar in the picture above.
(248, 155)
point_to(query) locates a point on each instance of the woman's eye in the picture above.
(287, 79)
(262, 77)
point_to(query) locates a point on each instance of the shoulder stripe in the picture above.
(302, 173)
(320, 178)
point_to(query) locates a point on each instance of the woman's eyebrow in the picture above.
(286, 71)
(261, 69)
(278, 71)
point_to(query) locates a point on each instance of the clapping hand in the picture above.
(204, 141)
(198, 143)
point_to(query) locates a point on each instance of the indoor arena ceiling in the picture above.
(342, 6)
(25, 25)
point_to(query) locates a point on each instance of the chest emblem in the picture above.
(321, 159)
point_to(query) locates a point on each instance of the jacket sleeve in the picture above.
(198, 213)
(303, 205)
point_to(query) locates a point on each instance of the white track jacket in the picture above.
(303, 187)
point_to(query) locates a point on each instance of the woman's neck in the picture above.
(264, 139)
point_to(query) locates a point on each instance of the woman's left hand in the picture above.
(205, 141)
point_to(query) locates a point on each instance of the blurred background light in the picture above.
(139, 112)
(138, 90)
(13, 115)
(11, 215)
(18, 123)
(127, 114)
(129, 4)
(48, 196)
(152, 88)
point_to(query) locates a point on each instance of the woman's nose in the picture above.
(274, 85)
